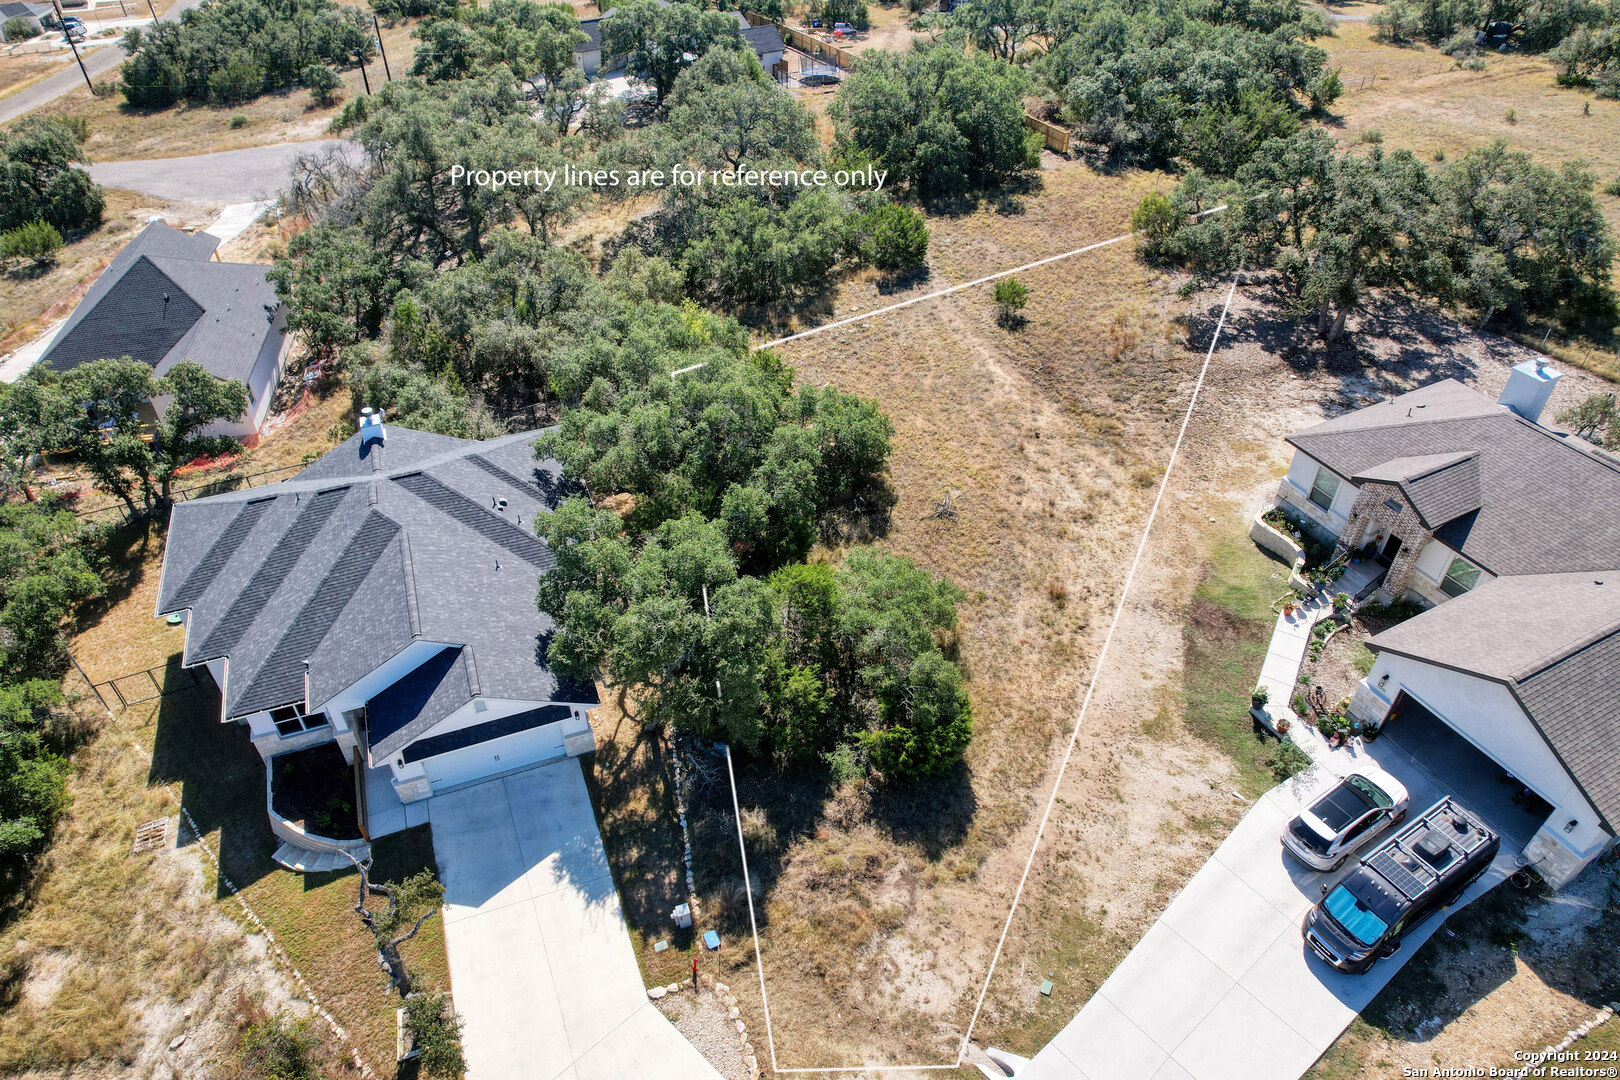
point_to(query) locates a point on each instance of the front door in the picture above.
(1392, 548)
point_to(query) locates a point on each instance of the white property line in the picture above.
(1074, 735)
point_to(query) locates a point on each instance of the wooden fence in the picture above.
(1057, 138)
(804, 42)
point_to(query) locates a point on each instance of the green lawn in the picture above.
(1225, 636)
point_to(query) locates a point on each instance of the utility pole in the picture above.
(153, 10)
(69, 35)
(380, 50)
(364, 78)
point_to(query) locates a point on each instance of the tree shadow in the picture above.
(934, 814)
(901, 281)
(220, 774)
(125, 551)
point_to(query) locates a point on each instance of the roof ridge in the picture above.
(1559, 655)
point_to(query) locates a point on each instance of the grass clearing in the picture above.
(1227, 633)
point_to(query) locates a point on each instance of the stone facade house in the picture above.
(1508, 531)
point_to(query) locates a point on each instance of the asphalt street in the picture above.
(230, 176)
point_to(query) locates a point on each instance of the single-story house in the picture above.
(767, 43)
(383, 600)
(1450, 489)
(588, 53)
(1527, 669)
(32, 14)
(166, 298)
(1508, 532)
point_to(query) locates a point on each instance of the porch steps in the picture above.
(305, 861)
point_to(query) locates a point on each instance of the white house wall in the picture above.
(1296, 491)
(1488, 715)
(1430, 570)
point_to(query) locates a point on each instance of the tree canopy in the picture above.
(40, 179)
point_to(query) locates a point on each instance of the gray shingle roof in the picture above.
(764, 39)
(1440, 487)
(306, 586)
(1554, 641)
(1546, 505)
(163, 299)
(409, 708)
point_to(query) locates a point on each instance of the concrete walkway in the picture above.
(541, 965)
(1222, 987)
(1292, 636)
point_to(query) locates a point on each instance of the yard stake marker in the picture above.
(1096, 672)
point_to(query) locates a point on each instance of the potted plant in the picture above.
(1282, 725)
(1259, 696)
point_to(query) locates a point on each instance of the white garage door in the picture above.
(496, 756)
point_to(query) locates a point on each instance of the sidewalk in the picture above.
(1292, 636)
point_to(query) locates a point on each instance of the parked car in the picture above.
(1346, 817)
(74, 27)
(1420, 870)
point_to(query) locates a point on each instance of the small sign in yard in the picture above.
(1046, 987)
(660, 946)
(711, 940)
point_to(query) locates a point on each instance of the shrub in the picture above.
(895, 237)
(1155, 217)
(18, 28)
(322, 83)
(37, 241)
(435, 1031)
(1010, 297)
(277, 1048)
(239, 80)
(238, 121)
(1288, 760)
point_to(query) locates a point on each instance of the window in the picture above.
(1326, 486)
(290, 719)
(1462, 576)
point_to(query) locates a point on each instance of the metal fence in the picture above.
(201, 491)
(138, 687)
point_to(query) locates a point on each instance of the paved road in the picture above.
(541, 966)
(97, 61)
(230, 176)
(1221, 987)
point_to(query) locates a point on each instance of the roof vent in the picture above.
(371, 426)
(1528, 387)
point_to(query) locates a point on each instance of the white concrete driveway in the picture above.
(541, 964)
(1222, 987)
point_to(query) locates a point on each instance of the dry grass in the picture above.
(20, 70)
(118, 132)
(1419, 99)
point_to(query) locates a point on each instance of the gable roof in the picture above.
(1440, 487)
(1545, 503)
(164, 299)
(1554, 641)
(764, 39)
(305, 587)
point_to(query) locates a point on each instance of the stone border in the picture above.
(728, 1001)
(1535, 1061)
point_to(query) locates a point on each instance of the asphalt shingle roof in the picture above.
(1545, 504)
(163, 299)
(305, 587)
(1554, 641)
(1440, 487)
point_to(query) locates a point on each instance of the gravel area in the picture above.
(702, 1019)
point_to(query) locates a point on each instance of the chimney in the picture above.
(1529, 387)
(371, 427)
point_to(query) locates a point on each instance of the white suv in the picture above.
(1346, 817)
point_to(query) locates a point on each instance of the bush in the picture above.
(1287, 760)
(1155, 218)
(238, 121)
(1010, 296)
(895, 237)
(435, 1032)
(322, 83)
(277, 1048)
(37, 242)
(18, 28)
(239, 80)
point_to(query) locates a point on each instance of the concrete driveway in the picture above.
(230, 176)
(1221, 987)
(541, 965)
